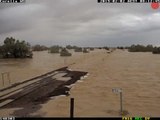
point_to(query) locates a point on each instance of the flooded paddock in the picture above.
(138, 74)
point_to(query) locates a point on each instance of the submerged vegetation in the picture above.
(91, 48)
(156, 50)
(78, 49)
(106, 48)
(70, 47)
(61, 50)
(64, 52)
(55, 49)
(13, 48)
(142, 48)
(39, 47)
(121, 47)
(85, 50)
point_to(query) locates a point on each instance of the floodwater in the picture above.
(22, 69)
(138, 74)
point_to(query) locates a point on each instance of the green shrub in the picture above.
(39, 48)
(64, 52)
(106, 48)
(156, 50)
(85, 50)
(13, 48)
(78, 49)
(91, 48)
(140, 48)
(55, 49)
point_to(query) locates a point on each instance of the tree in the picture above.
(85, 50)
(120, 47)
(39, 48)
(140, 48)
(156, 50)
(78, 49)
(106, 48)
(91, 48)
(64, 52)
(149, 48)
(69, 47)
(13, 48)
(55, 49)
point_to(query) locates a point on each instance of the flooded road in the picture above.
(138, 74)
(22, 69)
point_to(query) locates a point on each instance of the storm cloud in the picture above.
(80, 22)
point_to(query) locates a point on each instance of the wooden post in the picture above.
(7, 74)
(9, 80)
(71, 107)
(2, 79)
(64, 61)
(121, 103)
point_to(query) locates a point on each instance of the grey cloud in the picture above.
(81, 22)
(18, 18)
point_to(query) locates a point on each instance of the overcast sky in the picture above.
(80, 22)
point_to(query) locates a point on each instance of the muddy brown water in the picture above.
(22, 69)
(138, 74)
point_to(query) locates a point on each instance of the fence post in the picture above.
(9, 80)
(71, 107)
(7, 74)
(2, 79)
(121, 103)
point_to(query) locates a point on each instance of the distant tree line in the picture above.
(142, 48)
(121, 47)
(13, 48)
(78, 49)
(106, 48)
(85, 50)
(39, 47)
(59, 49)
(64, 51)
(71, 47)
